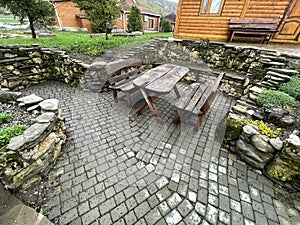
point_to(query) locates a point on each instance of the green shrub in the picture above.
(292, 87)
(270, 97)
(7, 133)
(5, 118)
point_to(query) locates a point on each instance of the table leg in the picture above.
(150, 103)
(176, 91)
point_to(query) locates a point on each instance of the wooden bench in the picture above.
(121, 73)
(195, 102)
(263, 28)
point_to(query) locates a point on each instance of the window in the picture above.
(150, 23)
(120, 16)
(210, 7)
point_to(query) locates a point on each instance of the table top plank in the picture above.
(165, 84)
(182, 102)
(152, 75)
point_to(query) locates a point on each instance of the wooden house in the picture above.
(210, 18)
(68, 16)
(151, 20)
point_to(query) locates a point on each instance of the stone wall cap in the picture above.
(30, 99)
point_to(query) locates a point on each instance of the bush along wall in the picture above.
(23, 66)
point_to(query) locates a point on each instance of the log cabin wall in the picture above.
(193, 22)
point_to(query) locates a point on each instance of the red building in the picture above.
(71, 17)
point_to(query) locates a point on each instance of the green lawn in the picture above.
(82, 42)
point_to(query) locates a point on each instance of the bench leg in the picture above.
(128, 99)
(115, 95)
(231, 36)
(176, 92)
(177, 117)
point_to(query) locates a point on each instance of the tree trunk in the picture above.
(33, 34)
(106, 31)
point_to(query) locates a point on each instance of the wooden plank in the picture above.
(186, 97)
(202, 101)
(253, 26)
(124, 76)
(167, 82)
(253, 20)
(152, 75)
(198, 95)
(115, 66)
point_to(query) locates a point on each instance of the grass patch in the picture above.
(82, 42)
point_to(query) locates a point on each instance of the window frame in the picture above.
(207, 12)
(150, 19)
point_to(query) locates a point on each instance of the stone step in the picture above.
(288, 72)
(276, 83)
(256, 89)
(272, 63)
(246, 104)
(236, 116)
(268, 85)
(284, 77)
(238, 108)
(273, 58)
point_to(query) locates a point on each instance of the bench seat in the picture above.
(123, 82)
(195, 102)
(263, 28)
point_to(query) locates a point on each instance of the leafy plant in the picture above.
(271, 97)
(135, 22)
(263, 128)
(44, 210)
(166, 25)
(7, 133)
(292, 87)
(5, 118)
(37, 11)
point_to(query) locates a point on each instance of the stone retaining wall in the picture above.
(22, 66)
(29, 156)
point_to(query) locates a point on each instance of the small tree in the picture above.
(135, 22)
(37, 11)
(166, 25)
(102, 13)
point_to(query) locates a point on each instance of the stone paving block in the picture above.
(260, 218)
(142, 209)
(185, 207)
(234, 193)
(212, 214)
(164, 208)
(107, 206)
(173, 217)
(202, 195)
(270, 212)
(224, 217)
(67, 217)
(192, 219)
(90, 216)
(247, 210)
(174, 200)
(106, 219)
(235, 205)
(118, 212)
(131, 203)
(130, 218)
(153, 216)
(237, 218)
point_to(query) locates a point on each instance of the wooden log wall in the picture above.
(192, 25)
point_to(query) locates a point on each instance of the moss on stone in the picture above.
(233, 129)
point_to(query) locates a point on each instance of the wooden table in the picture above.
(160, 80)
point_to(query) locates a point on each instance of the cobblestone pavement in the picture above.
(120, 168)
